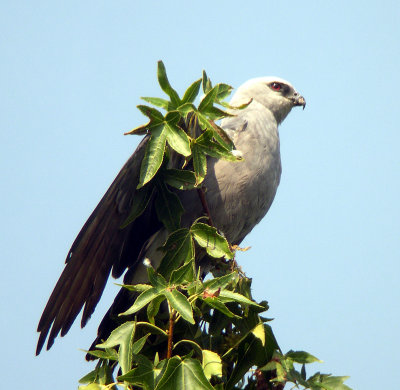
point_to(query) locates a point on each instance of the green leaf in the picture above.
(271, 345)
(302, 357)
(195, 287)
(224, 90)
(280, 373)
(153, 156)
(256, 332)
(333, 382)
(177, 139)
(199, 163)
(207, 145)
(205, 124)
(156, 280)
(207, 237)
(155, 116)
(122, 336)
(220, 134)
(166, 86)
(259, 332)
(287, 363)
(152, 328)
(135, 287)
(222, 281)
(183, 375)
(143, 375)
(183, 274)
(215, 303)
(179, 303)
(102, 375)
(192, 92)
(316, 377)
(195, 347)
(240, 107)
(250, 353)
(206, 82)
(141, 200)
(165, 104)
(168, 207)
(109, 354)
(205, 139)
(90, 377)
(153, 308)
(185, 109)
(295, 377)
(139, 344)
(230, 296)
(180, 179)
(139, 130)
(244, 288)
(142, 300)
(215, 113)
(212, 364)
(179, 249)
(208, 100)
(118, 335)
(222, 137)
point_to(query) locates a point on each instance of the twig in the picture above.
(202, 197)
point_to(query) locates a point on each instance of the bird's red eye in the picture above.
(276, 86)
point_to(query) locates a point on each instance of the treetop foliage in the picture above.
(184, 331)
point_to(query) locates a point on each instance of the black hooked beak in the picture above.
(298, 100)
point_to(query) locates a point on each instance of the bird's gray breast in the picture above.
(239, 194)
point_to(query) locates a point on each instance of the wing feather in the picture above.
(100, 247)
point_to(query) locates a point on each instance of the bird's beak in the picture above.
(298, 100)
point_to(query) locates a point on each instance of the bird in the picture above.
(238, 195)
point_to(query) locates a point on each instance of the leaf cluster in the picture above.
(168, 129)
(185, 331)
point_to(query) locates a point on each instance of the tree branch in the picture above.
(170, 332)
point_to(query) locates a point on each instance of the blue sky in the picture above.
(327, 255)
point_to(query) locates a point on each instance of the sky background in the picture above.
(327, 255)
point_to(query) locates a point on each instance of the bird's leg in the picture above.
(203, 200)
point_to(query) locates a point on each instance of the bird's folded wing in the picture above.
(101, 246)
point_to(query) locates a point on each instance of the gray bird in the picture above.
(238, 196)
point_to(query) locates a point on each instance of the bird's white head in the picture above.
(274, 93)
